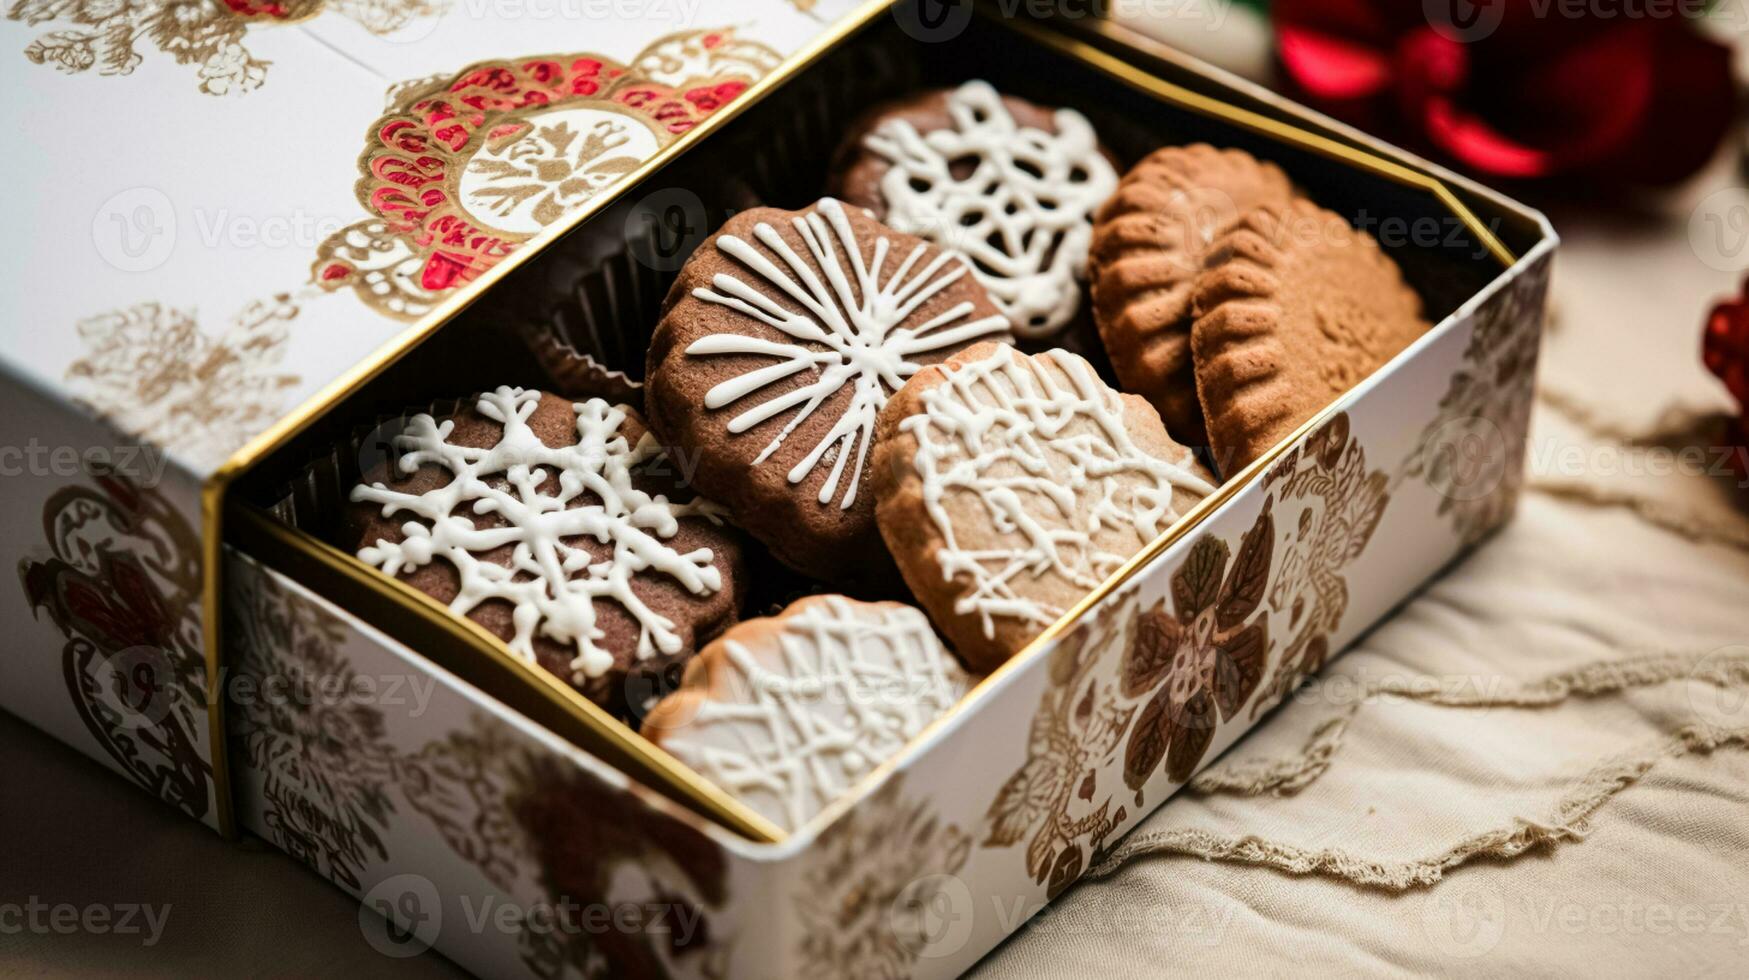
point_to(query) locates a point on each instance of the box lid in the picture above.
(233, 203)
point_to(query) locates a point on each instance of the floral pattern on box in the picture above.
(462, 170)
(1138, 694)
(107, 35)
(151, 371)
(1472, 452)
(334, 780)
(1073, 739)
(870, 884)
(123, 585)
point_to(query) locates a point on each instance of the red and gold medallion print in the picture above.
(463, 170)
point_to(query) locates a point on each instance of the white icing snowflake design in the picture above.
(852, 330)
(1023, 216)
(853, 684)
(1046, 456)
(552, 585)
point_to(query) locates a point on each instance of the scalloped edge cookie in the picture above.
(1149, 244)
(1294, 307)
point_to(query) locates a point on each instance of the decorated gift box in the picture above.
(957, 430)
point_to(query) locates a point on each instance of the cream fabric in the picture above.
(1635, 816)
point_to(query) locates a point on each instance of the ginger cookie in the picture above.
(1149, 243)
(1008, 184)
(561, 528)
(1293, 309)
(1009, 485)
(786, 713)
(779, 343)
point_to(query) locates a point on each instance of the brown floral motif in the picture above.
(1203, 660)
(1472, 452)
(1074, 736)
(105, 34)
(154, 373)
(464, 168)
(319, 748)
(585, 835)
(123, 585)
(1339, 504)
(331, 776)
(871, 879)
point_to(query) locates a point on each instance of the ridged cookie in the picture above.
(1149, 243)
(1293, 308)
(1008, 485)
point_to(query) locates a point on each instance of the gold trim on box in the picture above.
(619, 737)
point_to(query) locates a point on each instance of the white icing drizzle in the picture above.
(852, 683)
(552, 585)
(1024, 215)
(1046, 458)
(852, 330)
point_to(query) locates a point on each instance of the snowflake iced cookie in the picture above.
(1010, 485)
(787, 712)
(1009, 184)
(1294, 307)
(562, 528)
(782, 338)
(1149, 242)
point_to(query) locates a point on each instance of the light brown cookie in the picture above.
(1008, 486)
(559, 526)
(787, 712)
(779, 343)
(1293, 308)
(1149, 243)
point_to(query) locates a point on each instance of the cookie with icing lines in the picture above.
(1009, 485)
(1009, 184)
(1293, 308)
(562, 528)
(782, 338)
(1149, 243)
(787, 712)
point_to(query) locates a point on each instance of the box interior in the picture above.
(600, 287)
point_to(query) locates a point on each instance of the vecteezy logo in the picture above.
(1718, 229)
(663, 228)
(1463, 922)
(1463, 21)
(135, 230)
(930, 21)
(401, 916)
(932, 916)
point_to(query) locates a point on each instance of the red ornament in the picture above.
(1517, 88)
(1725, 351)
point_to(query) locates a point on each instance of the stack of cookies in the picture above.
(880, 392)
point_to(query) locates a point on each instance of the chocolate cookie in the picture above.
(787, 713)
(778, 345)
(1009, 184)
(560, 527)
(1293, 309)
(1149, 243)
(1009, 485)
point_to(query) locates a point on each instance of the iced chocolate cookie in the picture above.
(1010, 485)
(1149, 242)
(560, 527)
(1294, 307)
(788, 712)
(1009, 184)
(778, 345)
